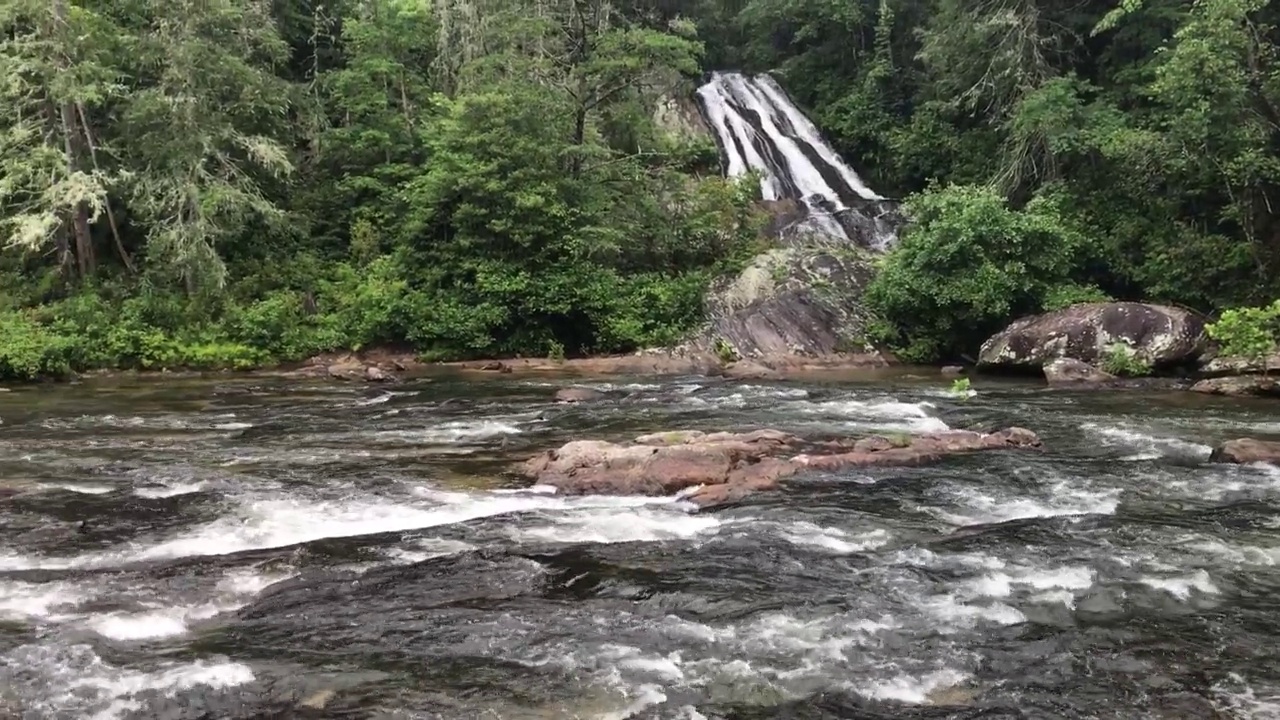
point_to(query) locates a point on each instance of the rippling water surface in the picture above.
(247, 548)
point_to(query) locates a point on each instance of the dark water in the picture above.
(244, 549)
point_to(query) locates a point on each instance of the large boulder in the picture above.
(725, 467)
(1158, 334)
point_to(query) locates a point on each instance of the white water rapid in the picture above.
(759, 129)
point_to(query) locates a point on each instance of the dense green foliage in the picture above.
(1251, 333)
(227, 183)
(232, 182)
(1136, 145)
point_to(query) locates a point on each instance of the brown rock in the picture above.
(1247, 450)
(749, 370)
(494, 366)
(373, 373)
(318, 699)
(577, 394)
(1066, 371)
(1159, 334)
(730, 466)
(1239, 386)
(349, 370)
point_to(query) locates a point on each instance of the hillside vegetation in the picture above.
(235, 182)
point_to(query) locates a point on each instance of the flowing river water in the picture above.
(255, 548)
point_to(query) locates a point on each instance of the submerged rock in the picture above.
(1247, 450)
(1065, 371)
(729, 466)
(374, 373)
(1159, 334)
(1239, 386)
(577, 394)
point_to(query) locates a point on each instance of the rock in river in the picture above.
(1066, 371)
(577, 394)
(1247, 450)
(1240, 386)
(1161, 335)
(729, 466)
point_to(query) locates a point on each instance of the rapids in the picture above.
(246, 548)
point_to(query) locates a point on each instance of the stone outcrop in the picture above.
(1069, 371)
(1247, 450)
(1159, 335)
(792, 301)
(1239, 386)
(725, 467)
(1223, 365)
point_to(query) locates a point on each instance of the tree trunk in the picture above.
(85, 261)
(79, 214)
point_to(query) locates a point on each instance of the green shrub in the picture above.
(1123, 361)
(1249, 332)
(965, 265)
(29, 351)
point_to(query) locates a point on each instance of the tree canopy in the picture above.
(229, 182)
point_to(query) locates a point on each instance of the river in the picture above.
(248, 548)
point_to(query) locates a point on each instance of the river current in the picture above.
(255, 548)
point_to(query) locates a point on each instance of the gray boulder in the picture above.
(1158, 334)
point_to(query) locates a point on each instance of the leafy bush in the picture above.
(1067, 295)
(29, 350)
(1123, 361)
(966, 264)
(1249, 332)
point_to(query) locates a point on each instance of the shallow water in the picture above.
(250, 548)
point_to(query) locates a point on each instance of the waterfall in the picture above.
(758, 128)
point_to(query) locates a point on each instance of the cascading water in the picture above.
(759, 128)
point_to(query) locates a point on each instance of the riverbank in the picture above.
(389, 364)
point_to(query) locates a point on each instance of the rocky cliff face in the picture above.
(800, 300)
(803, 298)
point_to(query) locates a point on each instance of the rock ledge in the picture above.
(725, 467)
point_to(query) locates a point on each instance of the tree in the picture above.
(52, 188)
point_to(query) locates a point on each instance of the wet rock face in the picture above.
(798, 301)
(730, 466)
(1160, 335)
(1247, 450)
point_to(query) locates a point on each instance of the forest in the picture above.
(232, 183)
